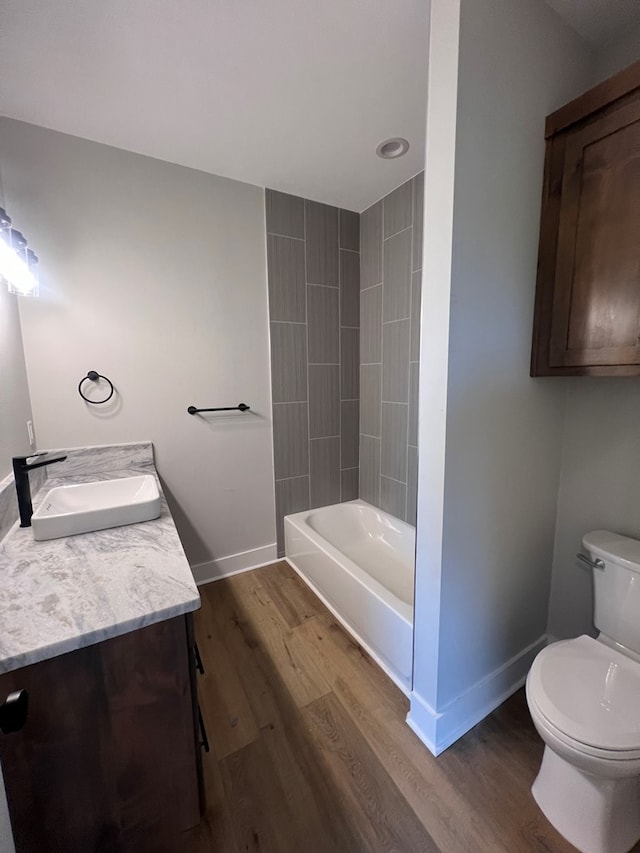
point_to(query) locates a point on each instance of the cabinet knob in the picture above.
(13, 711)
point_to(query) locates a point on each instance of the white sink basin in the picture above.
(68, 510)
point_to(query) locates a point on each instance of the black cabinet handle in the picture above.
(13, 711)
(204, 740)
(196, 654)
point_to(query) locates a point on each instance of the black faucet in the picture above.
(21, 467)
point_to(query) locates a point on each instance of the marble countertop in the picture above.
(63, 594)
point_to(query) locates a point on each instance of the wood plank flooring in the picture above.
(310, 752)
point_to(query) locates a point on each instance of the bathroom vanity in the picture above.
(97, 628)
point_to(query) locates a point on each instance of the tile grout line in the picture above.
(279, 545)
(393, 480)
(416, 319)
(306, 302)
(316, 284)
(360, 266)
(285, 236)
(359, 300)
(340, 357)
(420, 237)
(382, 254)
(374, 496)
(397, 320)
(406, 228)
(406, 451)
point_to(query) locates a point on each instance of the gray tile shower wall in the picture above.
(313, 261)
(391, 279)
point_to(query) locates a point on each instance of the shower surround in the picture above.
(344, 311)
(391, 282)
(313, 264)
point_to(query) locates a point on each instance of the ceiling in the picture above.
(289, 94)
(598, 21)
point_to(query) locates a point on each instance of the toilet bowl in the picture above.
(584, 700)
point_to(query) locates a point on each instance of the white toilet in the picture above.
(584, 699)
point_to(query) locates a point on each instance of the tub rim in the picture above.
(405, 610)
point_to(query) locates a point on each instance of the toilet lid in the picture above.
(590, 692)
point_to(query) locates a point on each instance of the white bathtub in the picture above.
(360, 562)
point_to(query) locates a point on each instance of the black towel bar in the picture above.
(241, 407)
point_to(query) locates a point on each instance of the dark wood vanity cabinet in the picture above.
(108, 759)
(587, 312)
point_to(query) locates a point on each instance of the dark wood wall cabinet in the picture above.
(108, 758)
(587, 311)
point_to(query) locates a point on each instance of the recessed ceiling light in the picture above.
(392, 148)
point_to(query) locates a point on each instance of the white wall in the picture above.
(518, 62)
(599, 488)
(434, 341)
(616, 55)
(15, 410)
(15, 407)
(154, 275)
(600, 464)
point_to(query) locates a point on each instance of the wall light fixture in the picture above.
(18, 263)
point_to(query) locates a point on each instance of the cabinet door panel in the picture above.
(58, 769)
(148, 690)
(596, 308)
(106, 761)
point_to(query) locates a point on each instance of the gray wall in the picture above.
(616, 55)
(504, 429)
(600, 463)
(489, 567)
(154, 275)
(15, 406)
(391, 281)
(599, 488)
(314, 281)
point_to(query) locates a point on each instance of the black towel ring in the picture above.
(93, 375)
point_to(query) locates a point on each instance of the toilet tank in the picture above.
(617, 587)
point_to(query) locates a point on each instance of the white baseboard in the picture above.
(422, 720)
(224, 567)
(439, 729)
